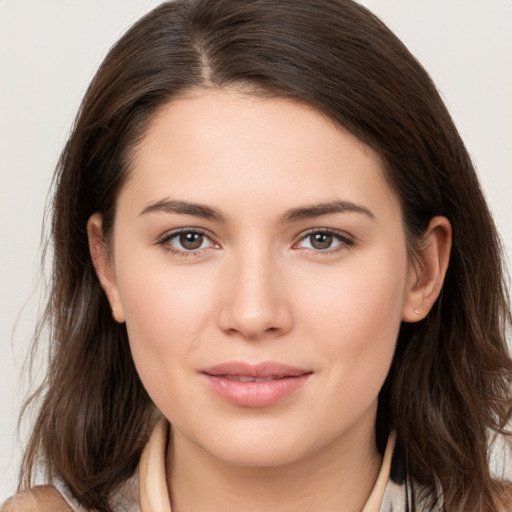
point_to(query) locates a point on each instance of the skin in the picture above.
(258, 290)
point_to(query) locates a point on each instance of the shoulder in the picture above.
(38, 499)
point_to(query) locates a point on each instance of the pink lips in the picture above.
(257, 385)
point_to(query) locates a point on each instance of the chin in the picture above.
(258, 454)
(266, 445)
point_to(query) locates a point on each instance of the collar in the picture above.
(153, 491)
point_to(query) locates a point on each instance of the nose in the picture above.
(255, 302)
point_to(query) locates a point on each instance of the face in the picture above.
(259, 261)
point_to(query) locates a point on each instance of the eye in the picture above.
(187, 241)
(324, 240)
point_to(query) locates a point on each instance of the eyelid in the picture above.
(345, 238)
(167, 236)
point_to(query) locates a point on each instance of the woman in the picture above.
(268, 233)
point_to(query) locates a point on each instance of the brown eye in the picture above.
(324, 240)
(191, 241)
(321, 240)
(187, 242)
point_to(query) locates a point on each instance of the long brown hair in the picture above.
(448, 388)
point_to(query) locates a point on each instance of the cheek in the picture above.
(357, 298)
(356, 321)
(165, 313)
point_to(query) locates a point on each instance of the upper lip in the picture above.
(261, 370)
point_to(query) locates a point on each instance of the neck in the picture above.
(339, 477)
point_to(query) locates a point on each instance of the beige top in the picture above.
(147, 490)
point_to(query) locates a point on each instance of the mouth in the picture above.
(245, 378)
(260, 385)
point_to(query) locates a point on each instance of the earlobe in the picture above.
(103, 265)
(427, 274)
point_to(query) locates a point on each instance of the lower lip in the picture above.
(255, 394)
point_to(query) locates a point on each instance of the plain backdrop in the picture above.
(49, 51)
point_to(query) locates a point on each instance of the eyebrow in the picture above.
(184, 208)
(292, 215)
(329, 208)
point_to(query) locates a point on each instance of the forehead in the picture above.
(217, 145)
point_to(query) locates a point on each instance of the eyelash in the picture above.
(165, 242)
(345, 241)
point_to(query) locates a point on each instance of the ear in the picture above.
(428, 270)
(103, 265)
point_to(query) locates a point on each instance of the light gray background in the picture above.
(49, 51)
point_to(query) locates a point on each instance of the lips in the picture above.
(245, 378)
(259, 385)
